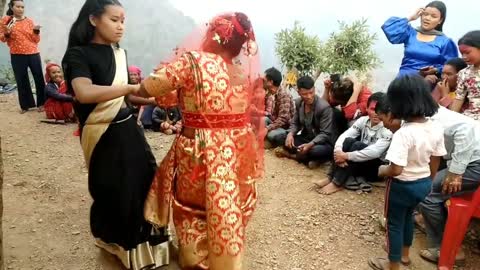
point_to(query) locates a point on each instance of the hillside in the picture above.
(154, 27)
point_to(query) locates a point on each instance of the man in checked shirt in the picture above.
(283, 109)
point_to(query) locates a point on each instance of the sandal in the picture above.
(364, 186)
(433, 255)
(23, 111)
(352, 184)
(430, 254)
(378, 263)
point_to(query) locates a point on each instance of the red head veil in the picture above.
(219, 34)
(232, 132)
(47, 71)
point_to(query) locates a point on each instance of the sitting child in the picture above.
(59, 104)
(359, 152)
(167, 120)
(414, 155)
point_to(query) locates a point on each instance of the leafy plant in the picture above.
(349, 50)
(6, 73)
(297, 50)
(3, 6)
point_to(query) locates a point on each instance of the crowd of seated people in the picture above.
(412, 135)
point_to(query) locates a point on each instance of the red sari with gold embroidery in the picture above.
(209, 180)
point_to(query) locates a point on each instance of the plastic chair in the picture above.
(460, 211)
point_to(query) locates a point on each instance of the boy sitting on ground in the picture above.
(358, 153)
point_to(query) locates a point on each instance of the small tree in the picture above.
(349, 50)
(298, 52)
(6, 73)
(3, 5)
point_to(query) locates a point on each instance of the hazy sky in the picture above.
(320, 18)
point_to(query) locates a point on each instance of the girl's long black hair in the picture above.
(82, 31)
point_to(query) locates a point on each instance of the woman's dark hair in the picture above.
(335, 77)
(342, 90)
(235, 44)
(471, 39)
(377, 97)
(383, 106)
(305, 82)
(274, 75)
(443, 12)
(410, 96)
(457, 63)
(10, 7)
(82, 31)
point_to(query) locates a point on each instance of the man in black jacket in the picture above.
(310, 137)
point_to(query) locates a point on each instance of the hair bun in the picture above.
(243, 20)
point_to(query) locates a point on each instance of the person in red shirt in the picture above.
(352, 98)
(22, 37)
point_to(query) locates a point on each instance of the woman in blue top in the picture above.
(426, 47)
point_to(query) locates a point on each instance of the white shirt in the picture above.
(376, 137)
(413, 145)
(462, 139)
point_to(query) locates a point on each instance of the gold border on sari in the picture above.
(101, 117)
(144, 255)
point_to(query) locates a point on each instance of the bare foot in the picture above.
(281, 152)
(322, 183)
(330, 189)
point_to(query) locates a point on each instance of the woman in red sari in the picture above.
(209, 175)
(59, 104)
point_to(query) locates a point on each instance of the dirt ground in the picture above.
(46, 202)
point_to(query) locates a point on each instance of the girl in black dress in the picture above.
(120, 163)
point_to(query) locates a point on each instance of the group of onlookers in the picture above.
(22, 36)
(424, 128)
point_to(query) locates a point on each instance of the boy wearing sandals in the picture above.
(359, 152)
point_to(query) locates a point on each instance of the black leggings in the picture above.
(20, 65)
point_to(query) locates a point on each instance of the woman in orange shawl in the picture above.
(209, 175)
